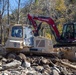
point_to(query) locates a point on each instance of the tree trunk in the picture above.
(18, 16)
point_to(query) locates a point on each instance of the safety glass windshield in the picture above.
(17, 31)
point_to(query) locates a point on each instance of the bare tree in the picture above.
(0, 21)
(18, 16)
(3, 4)
(8, 11)
(0, 8)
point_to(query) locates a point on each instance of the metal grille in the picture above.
(40, 43)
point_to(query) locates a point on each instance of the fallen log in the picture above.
(11, 65)
(67, 64)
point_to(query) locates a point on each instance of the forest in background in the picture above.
(61, 11)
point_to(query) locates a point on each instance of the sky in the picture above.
(13, 3)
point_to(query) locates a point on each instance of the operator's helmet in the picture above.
(19, 31)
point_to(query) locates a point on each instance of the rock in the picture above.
(15, 73)
(1, 57)
(2, 50)
(31, 69)
(55, 71)
(45, 73)
(13, 64)
(46, 66)
(39, 68)
(26, 64)
(22, 56)
(0, 63)
(45, 61)
(48, 71)
(68, 53)
(33, 73)
(1, 68)
(4, 60)
(64, 70)
(11, 56)
(24, 72)
(28, 71)
(30, 74)
(5, 73)
(20, 68)
(37, 73)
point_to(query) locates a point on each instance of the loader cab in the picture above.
(69, 32)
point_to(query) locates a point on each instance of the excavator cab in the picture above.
(69, 32)
(68, 36)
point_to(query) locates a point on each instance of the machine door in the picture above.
(68, 32)
(68, 36)
(28, 39)
(75, 31)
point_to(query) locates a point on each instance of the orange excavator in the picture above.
(68, 36)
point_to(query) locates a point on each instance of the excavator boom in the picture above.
(47, 20)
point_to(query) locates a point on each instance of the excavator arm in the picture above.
(47, 20)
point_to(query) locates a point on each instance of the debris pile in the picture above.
(36, 65)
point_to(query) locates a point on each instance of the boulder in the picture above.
(45, 61)
(13, 64)
(39, 68)
(55, 71)
(26, 64)
(5, 73)
(4, 59)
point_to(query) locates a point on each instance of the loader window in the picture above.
(17, 31)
